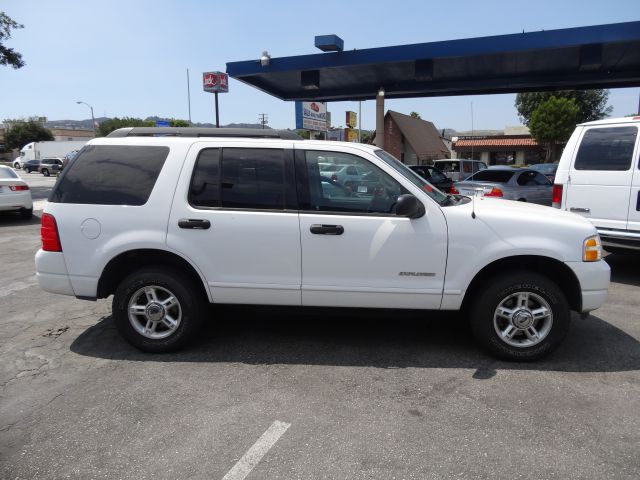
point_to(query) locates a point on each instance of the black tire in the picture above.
(522, 200)
(26, 213)
(484, 321)
(45, 172)
(16, 166)
(191, 304)
(27, 169)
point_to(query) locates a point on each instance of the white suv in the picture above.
(169, 223)
(598, 177)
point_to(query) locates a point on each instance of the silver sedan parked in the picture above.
(510, 183)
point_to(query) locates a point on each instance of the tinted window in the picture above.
(497, 176)
(205, 183)
(252, 178)
(527, 179)
(606, 149)
(111, 175)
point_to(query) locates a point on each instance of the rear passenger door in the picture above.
(599, 186)
(235, 216)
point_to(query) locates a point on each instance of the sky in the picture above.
(130, 58)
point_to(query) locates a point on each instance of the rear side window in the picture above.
(498, 176)
(111, 175)
(606, 149)
(6, 173)
(250, 178)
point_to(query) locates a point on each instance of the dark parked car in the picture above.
(547, 169)
(510, 183)
(50, 165)
(434, 176)
(31, 166)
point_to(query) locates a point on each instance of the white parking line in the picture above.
(253, 456)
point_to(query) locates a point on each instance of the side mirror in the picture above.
(409, 206)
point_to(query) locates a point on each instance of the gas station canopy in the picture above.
(601, 56)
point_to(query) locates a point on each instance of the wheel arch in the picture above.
(551, 268)
(127, 262)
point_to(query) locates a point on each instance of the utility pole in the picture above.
(263, 119)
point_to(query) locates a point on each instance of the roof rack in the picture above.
(203, 132)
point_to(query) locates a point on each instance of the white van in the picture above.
(598, 177)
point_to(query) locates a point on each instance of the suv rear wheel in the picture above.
(158, 310)
(45, 172)
(520, 316)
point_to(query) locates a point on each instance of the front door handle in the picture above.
(327, 229)
(580, 209)
(196, 223)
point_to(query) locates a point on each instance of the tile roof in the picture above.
(497, 142)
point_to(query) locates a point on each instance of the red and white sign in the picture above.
(215, 82)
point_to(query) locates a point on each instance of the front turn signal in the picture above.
(592, 249)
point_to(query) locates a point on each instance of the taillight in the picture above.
(49, 234)
(556, 196)
(454, 190)
(495, 192)
(17, 188)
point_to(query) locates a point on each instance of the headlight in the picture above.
(592, 249)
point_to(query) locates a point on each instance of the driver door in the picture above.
(356, 252)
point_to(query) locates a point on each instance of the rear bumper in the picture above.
(594, 278)
(16, 201)
(51, 273)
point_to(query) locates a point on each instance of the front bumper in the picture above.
(594, 278)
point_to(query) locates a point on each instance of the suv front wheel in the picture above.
(520, 316)
(158, 310)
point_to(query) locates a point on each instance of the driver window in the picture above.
(356, 186)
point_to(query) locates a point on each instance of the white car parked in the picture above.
(15, 195)
(167, 224)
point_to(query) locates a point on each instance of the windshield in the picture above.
(496, 176)
(412, 176)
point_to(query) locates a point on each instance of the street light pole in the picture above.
(93, 120)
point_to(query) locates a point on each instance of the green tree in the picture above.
(8, 56)
(415, 115)
(112, 124)
(175, 122)
(19, 133)
(552, 122)
(592, 104)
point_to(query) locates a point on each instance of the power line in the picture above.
(263, 119)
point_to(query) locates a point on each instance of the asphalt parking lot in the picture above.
(300, 394)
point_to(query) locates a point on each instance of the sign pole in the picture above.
(217, 115)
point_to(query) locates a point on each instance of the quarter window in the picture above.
(606, 149)
(205, 183)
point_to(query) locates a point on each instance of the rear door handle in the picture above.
(580, 209)
(638, 202)
(327, 229)
(196, 223)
